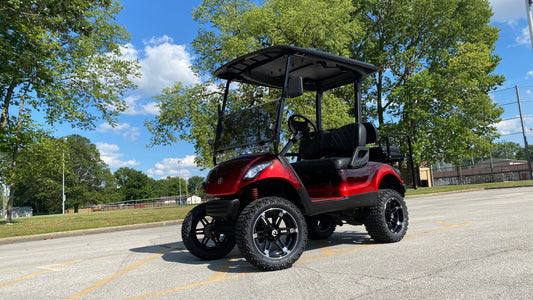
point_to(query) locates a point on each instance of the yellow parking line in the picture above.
(221, 272)
(450, 226)
(116, 275)
(219, 275)
(39, 273)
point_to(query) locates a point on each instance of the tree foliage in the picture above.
(436, 64)
(87, 177)
(61, 58)
(67, 54)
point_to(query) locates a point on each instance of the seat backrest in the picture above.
(371, 133)
(339, 142)
(316, 148)
(345, 139)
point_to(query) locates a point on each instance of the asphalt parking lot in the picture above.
(474, 245)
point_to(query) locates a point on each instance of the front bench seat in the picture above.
(341, 148)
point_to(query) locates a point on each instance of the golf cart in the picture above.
(272, 192)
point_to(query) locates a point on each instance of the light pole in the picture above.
(179, 173)
(526, 146)
(64, 198)
(529, 3)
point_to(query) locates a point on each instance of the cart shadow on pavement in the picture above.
(177, 253)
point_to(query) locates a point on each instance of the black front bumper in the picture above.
(227, 209)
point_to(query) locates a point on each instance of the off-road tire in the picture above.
(271, 233)
(319, 227)
(387, 222)
(198, 235)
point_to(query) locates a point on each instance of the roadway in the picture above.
(475, 244)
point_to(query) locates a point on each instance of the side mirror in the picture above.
(296, 87)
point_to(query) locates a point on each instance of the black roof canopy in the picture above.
(319, 70)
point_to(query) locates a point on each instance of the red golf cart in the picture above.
(272, 192)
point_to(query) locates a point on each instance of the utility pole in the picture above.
(524, 133)
(64, 198)
(5, 198)
(529, 3)
(179, 179)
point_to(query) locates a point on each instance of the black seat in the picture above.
(380, 153)
(341, 148)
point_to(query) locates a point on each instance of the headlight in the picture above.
(256, 170)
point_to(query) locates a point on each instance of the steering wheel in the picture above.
(301, 128)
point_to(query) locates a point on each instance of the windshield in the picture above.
(248, 131)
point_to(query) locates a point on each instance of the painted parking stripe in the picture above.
(221, 273)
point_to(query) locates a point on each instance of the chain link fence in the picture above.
(511, 159)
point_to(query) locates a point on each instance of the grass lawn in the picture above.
(456, 188)
(67, 222)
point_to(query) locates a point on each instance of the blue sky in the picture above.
(161, 33)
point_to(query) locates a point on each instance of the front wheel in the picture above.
(206, 237)
(271, 233)
(387, 222)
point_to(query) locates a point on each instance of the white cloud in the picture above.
(109, 154)
(136, 108)
(174, 167)
(124, 129)
(506, 11)
(128, 52)
(529, 75)
(514, 126)
(163, 64)
(509, 126)
(524, 38)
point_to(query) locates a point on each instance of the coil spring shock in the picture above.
(255, 194)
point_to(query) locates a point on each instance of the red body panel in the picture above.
(226, 178)
(351, 182)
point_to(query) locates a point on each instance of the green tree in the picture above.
(506, 150)
(133, 184)
(521, 152)
(436, 67)
(195, 185)
(88, 180)
(85, 173)
(61, 58)
(238, 27)
(38, 174)
(172, 186)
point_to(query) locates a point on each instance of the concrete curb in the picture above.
(56, 235)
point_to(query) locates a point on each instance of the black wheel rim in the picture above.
(206, 235)
(275, 233)
(394, 215)
(323, 225)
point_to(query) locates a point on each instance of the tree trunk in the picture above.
(12, 186)
(9, 216)
(5, 107)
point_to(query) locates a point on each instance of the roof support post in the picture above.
(284, 95)
(357, 100)
(318, 103)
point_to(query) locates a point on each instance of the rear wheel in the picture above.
(387, 222)
(320, 227)
(271, 233)
(204, 236)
